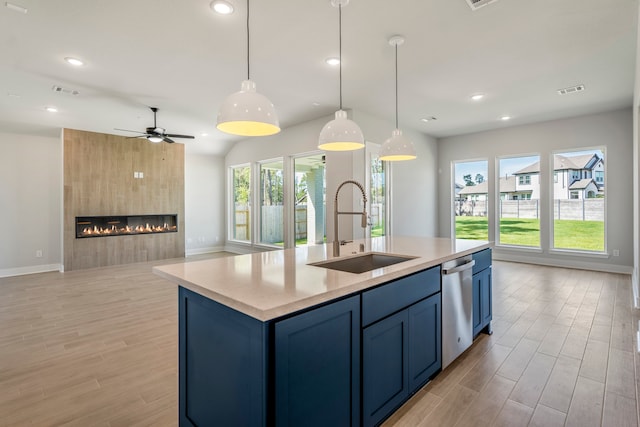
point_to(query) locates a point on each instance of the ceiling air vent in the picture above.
(572, 89)
(64, 91)
(477, 4)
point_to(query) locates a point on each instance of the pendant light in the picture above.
(248, 113)
(340, 134)
(398, 147)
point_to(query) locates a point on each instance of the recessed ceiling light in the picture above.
(15, 7)
(332, 61)
(74, 61)
(204, 134)
(222, 7)
(428, 119)
(52, 109)
(477, 96)
(505, 118)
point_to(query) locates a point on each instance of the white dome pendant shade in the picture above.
(398, 147)
(248, 113)
(341, 133)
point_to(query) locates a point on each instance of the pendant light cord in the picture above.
(397, 86)
(248, 68)
(340, 48)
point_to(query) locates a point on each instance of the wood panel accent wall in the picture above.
(99, 180)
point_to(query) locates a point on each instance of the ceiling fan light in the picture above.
(341, 134)
(248, 113)
(155, 138)
(397, 148)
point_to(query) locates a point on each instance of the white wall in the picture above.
(30, 204)
(614, 130)
(414, 196)
(204, 203)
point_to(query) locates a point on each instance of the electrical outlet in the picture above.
(616, 252)
(39, 253)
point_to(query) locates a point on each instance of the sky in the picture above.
(507, 166)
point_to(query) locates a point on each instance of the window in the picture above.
(241, 206)
(599, 175)
(519, 213)
(309, 200)
(377, 196)
(470, 200)
(578, 222)
(555, 177)
(272, 203)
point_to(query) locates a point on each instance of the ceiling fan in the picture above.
(155, 133)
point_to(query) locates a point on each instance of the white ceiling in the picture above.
(181, 57)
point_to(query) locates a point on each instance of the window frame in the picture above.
(520, 195)
(551, 200)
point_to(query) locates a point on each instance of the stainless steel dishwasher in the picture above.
(457, 308)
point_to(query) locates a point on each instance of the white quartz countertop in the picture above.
(267, 285)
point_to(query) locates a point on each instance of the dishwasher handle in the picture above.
(459, 268)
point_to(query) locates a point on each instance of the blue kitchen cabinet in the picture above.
(482, 296)
(385, 367)
(222, 364)
(317, 366)
(401, 351)
(425, 341)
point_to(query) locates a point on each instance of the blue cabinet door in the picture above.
(482, 300)
(385, 361)
(477, 306)
(425, 340)
(317, 366)
(222, 363)
(486, 297)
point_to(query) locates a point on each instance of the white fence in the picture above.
(580, 210)
(273, 223)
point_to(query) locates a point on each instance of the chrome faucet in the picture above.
(336, 212)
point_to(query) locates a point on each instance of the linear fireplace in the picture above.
(102, 226)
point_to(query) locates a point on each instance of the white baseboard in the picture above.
(581, 265)
(200, 251)
(21, 271)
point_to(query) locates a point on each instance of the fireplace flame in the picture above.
(139, 229)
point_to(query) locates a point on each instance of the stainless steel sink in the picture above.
(363, 263)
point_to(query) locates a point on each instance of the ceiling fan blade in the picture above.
(127, 130)
(169, 140)
(138, 136)
(173, 135)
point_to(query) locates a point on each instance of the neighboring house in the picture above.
(479, 192)
(574, 177)
(583, 189)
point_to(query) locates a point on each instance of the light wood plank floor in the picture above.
(99, 347)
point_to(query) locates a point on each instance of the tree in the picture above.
(241, 185)
(301, 188)
(468, 181)
(479, 178)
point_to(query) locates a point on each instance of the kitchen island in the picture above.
(267, 339)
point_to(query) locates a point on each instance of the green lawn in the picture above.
(568, 234)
